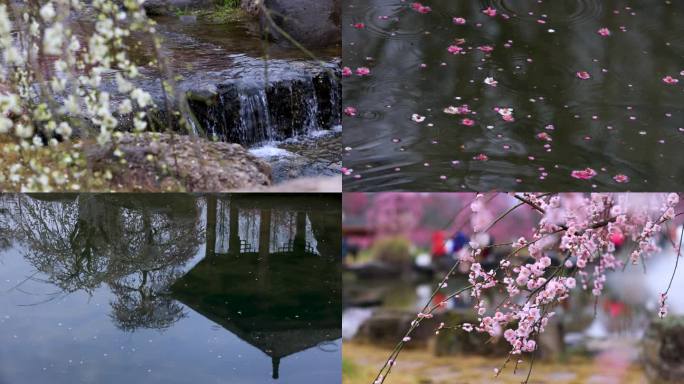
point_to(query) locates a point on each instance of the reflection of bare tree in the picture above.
(142, 303)
(134, 244)
(5, 227)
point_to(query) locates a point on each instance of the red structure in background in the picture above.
(438, 249)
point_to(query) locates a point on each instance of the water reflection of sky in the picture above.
(47, 335)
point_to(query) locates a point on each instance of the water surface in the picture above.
(624, 122)
(169, 289)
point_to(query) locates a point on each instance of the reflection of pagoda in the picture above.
(271, 275)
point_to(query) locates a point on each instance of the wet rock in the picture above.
(551, 343)
(305, 157)
(267, 107)
(251, 7)
(309, 22)
(328, 91)
(252, 101)
(663, 350)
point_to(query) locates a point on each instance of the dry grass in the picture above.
(419, 367)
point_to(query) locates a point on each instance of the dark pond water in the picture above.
(170, 289)
(625, 121)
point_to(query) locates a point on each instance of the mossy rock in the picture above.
(458, 342)
(663, 350)
(387, 327)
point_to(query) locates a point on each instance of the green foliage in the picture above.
(225, 11)
(231, 3)
(349, 368)
(394, 249)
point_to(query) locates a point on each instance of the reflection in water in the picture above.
(623, 120)
(263, 268)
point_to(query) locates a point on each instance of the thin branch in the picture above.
(679, 253)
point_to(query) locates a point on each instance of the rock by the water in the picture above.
(161, 162)
(663, 350)
(309, 22)
(251, 6)
(376, 270)
(387, 327)
(450, 343)
(280, 99)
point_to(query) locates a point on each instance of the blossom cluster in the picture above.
(583, 233)
(51, 84)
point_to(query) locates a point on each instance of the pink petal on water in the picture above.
(583, 174)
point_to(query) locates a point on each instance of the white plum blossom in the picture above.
(125, 107)
(74, 77)
(64, 129)
(23, 130)
(123, 85)
(5, 125)
(139, 124)
(9, 104)
(141, 97)
(47, 12)
(53, 39)
(12, 56)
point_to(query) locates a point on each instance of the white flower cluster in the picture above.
(46, 104)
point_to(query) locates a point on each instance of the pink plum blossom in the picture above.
(583, 174)
(491, 12)
(362, 71)
(454, 49)
(461, 110)
(418, 7)
(417, 118)
(506, 113)
(670, 80)
(584, 75)
(491, 81)
(468, 122)
(604, 32)
(620, 178)
(544, 136)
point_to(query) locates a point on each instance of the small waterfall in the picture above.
(250, 114)
(255, 123)
(310, 108)
(336, 99)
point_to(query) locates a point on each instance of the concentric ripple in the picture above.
(566, 12)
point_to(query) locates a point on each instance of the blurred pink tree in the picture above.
(393, 214)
